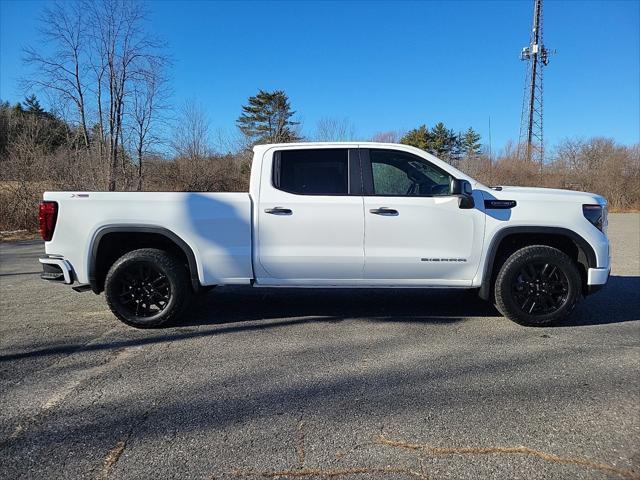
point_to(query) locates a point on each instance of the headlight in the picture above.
(597, 215)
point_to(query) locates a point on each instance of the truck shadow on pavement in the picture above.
(618, 302)
(226, 308)
(239, 304)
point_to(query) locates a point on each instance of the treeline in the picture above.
(445, 143)
(39, 151)
(109, 125)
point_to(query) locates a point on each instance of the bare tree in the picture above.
(99, 49)
(191, 146)
(122, 51)
(191, 132)
(390, 136)
(98, 67)
(335, 130)
(148, 106)
(231, 140)
(64, 70)
(197, 166)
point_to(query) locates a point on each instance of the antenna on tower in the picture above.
(531, 144)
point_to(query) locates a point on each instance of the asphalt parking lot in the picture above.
(319, 384)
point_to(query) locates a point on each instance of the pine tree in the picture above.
(32, 105)
(445, 143)
(418, 137)
(441, 141)
(267, 118)
(470, 143)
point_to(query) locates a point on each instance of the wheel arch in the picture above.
(510, 239)
(133, 237)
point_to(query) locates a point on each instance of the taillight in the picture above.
(596, 214)
(47, 217)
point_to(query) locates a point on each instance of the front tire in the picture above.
(537, 286)
(147, 288)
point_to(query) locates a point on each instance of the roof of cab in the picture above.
(266, 146)
(354, 144)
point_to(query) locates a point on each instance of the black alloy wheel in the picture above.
(144, 291)
(540, 288)
(147, 288)
(537, 285)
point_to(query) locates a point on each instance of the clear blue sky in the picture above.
(390, 65)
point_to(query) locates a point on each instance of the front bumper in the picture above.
(56, 269)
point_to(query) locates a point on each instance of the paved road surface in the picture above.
(265, 382)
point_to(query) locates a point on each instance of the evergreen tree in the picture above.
(18, 108)
(28, 121)
(470, 143)
(418, 137)
(32, 105)
(267, 118)
(445, 143)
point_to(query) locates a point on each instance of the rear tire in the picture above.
(537, 286)
(147, 288)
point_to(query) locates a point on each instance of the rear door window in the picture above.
(312, 171)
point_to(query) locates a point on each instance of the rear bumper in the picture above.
(56, 269)
(597, 278)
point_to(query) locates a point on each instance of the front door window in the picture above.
(401, 174)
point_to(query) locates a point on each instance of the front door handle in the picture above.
(278, 211)
(388, 212)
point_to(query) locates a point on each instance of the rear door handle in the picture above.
(278, 211)
(389, 212)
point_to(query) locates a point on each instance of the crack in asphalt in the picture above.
(300, 452)
(330, 473)
(112, 458)
(521, 450)
(429, 450)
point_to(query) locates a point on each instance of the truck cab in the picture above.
(357, 215)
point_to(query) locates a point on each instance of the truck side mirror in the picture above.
(462, 189)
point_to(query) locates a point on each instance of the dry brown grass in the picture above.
(19, 236)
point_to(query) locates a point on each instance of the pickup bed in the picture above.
(365, 215)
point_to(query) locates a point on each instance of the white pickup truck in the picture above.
(365, 215)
